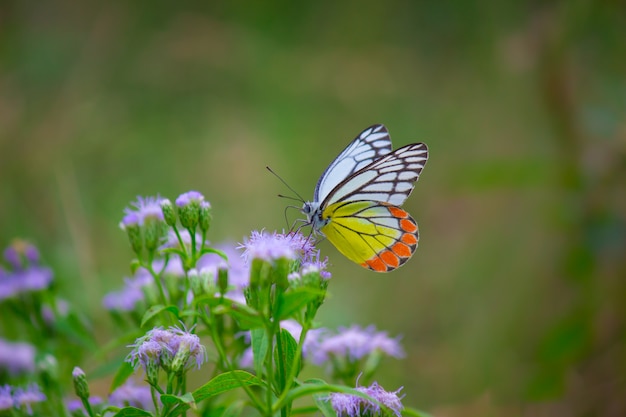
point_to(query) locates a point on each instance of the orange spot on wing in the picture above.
(398, 212)
(408, 225)
(401, 250)
(376, 264)
(390, 258)
(409, 239)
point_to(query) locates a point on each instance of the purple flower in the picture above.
(174, 349)
(6, 399)
(270, 247)
(189, 197)
(347, 405)
(131, 394)
(316, 266)
(142, 209)
(28, 396)
(17, 358)
(354, 343)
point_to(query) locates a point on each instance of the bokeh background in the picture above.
(515, 302)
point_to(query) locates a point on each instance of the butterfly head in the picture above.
(311, 209)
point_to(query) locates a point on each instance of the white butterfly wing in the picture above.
(389, 179)
(372, 144)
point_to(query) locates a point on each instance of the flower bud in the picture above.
(205, 216)
(80, 383)
(169, 214)
(134, 233)
(154, 230)
(189, 209)
(222, 279)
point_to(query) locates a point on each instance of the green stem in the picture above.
(224, 358)
(293, 373)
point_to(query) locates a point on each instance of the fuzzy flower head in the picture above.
(173, 349)
(26, 397)
(354, 343)
(274, 246)
(346, 405)
(141, 210)
(190, 207)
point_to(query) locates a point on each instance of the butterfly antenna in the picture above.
(287, 185)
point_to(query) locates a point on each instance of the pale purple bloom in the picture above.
(142, 209)
(6, 399)
(17, 357)
(273, 246)
(354, 343)
(160, 346)
(316, 266)
(77, 371)
(347, 405)
(189, 198)
(28, 396)
(131, 394)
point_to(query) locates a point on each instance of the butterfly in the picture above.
(357, 198)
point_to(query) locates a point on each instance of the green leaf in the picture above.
(187, 398)
(295, 301)
(260, 345)
(157, 309)
(225, 382)
(122, 374)
(288, 360)
(132, 412)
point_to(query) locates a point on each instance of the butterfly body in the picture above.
(357, 198)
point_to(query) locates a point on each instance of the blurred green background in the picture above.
(515, 302)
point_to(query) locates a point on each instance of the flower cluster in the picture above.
(20, 398)
(256, 302)
(273, 246)
(354, 343)
(347, 405)
(174, 350)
